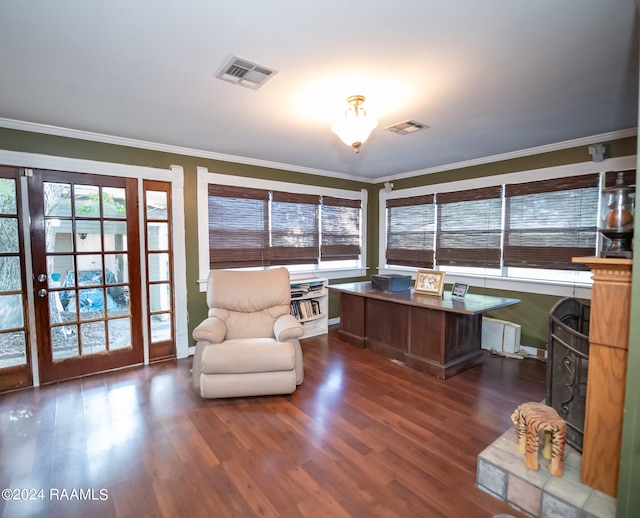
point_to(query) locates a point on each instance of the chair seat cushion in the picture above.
(247, 355)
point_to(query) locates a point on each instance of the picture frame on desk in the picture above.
(429, 282)
(459, 290)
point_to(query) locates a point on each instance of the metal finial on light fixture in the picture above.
(355, 127)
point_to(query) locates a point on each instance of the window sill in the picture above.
(330, 274)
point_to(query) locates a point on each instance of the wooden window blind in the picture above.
(410, 228)
(469, 229)
(628, 176)
(548, 222)
(238, 227)
(340, 226)
(294, 228)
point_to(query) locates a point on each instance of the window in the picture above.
(238, 227)
(470, 228)
(250, 227)
(550, 221)
(523, 226)
(410, 228)
(340, 229)
(294, 228)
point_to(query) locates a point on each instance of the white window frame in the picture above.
(571, 285)
(204, 178)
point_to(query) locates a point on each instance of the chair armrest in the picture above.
(287, 327)
(212, 330)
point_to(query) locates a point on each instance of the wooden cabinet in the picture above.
(310, 305)
(607, 379)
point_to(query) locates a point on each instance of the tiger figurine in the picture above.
(533, 418)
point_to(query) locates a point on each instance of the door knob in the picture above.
(42, 277)
(42, 292)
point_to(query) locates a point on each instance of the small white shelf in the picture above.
(310, 305)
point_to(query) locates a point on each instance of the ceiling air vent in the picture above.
(244, 73)
(406, 127)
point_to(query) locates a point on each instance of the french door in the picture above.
(86, 273)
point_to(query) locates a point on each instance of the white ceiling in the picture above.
(490, 78)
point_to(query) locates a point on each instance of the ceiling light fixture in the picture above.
(354, 129)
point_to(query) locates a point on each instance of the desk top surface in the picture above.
(471, 304)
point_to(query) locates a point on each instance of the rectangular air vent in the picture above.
(406, 127)
(244, 73)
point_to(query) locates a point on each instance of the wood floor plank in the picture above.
(362, 436)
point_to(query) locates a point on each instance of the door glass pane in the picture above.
(91, 303)
(160, 327)
(8, 196)
(118, 266)
(89, 269)
(93, 336)
(64, 341)
(88, 236)
(118, 301)
(158, 236)
(115, 236)
(57, 313)
(114, 203)
(57, 199)
(11, 316)
(57, 234)
(156, 205)
(57, 268)
(119, 333)
(160, 297)
(158, 267)
(87, 201)
(9, 233)
(13, 349)
(10, 278)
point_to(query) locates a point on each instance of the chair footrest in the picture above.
(242, 356)
(241, 385)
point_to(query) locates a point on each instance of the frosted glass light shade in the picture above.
(355, 127)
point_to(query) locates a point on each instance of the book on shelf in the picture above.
(303, 289)
(305, 309)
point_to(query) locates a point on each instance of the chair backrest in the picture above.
(249, 301)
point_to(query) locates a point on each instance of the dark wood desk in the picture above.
(438, 335)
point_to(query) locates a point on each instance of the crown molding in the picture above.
(558, 146)
(59, 131)
(210, 155)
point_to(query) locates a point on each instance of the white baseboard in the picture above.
(534, 351)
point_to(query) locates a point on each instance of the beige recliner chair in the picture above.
(248, 346)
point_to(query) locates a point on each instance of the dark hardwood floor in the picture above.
(362, 436)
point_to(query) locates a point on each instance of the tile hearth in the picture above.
(501, 473)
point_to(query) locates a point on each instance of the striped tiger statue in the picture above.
(532, 418)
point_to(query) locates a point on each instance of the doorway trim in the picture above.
(174, 175)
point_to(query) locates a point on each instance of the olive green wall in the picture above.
(614, 148)
(628, 494)
(628, 504)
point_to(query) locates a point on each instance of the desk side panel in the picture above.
(352, 319)
(386, 328)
